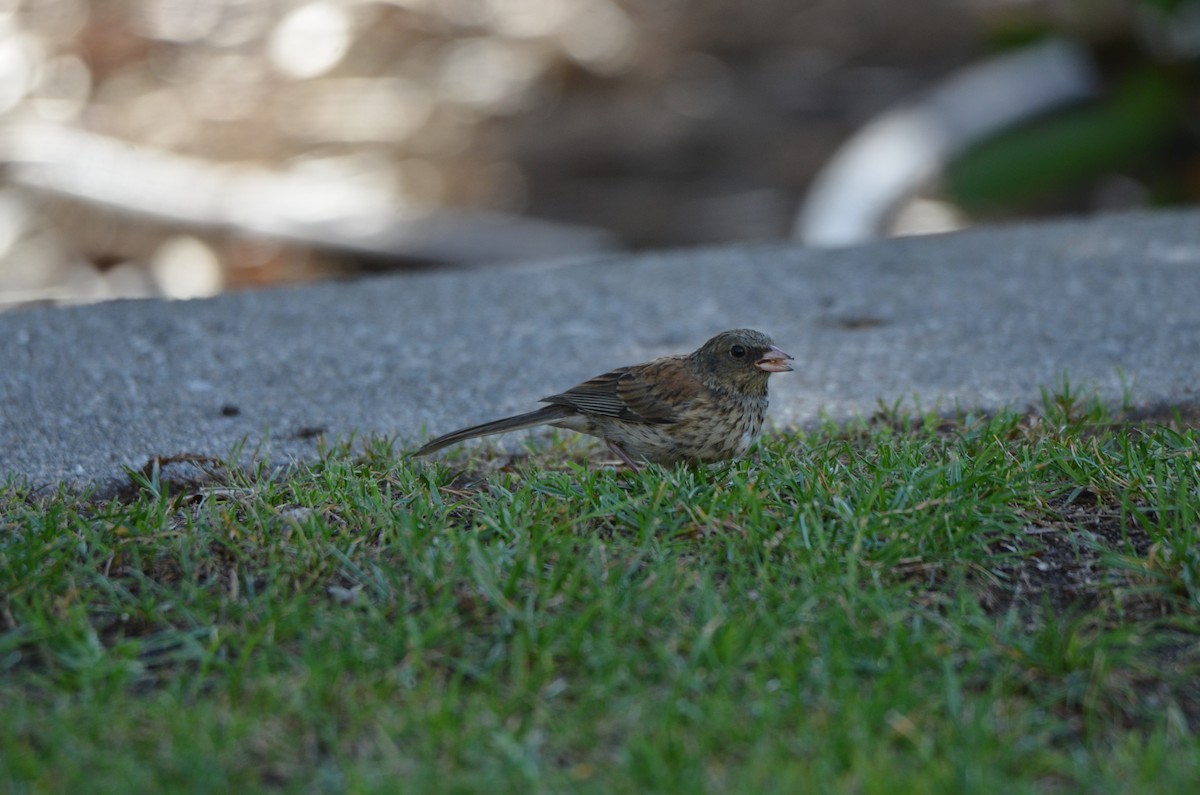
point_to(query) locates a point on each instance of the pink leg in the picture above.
(621, 454)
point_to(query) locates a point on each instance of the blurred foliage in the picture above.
(1136, 144)
(1129, 129)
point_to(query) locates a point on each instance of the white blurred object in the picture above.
(925, 216)
(311, 40)
(599, 36)
(489, 74)
(329, 204)
(32, 264)
(851, 198)
(14, 219)
(184, 267)
(20, 58)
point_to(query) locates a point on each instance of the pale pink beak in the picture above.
(774, 361)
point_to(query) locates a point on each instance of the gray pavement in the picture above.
(979, 319)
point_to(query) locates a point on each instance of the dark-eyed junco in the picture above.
(703, 407)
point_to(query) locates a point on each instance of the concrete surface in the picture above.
(979, 319)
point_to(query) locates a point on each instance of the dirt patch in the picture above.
(1070, 561)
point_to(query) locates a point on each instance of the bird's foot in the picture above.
(621, 454)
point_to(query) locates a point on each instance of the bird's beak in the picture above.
(774, 361)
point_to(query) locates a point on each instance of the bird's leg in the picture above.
(621, 454)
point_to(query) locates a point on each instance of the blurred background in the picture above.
(182, 148)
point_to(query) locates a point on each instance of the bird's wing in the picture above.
(626, 393)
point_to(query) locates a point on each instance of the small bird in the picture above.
(702, 407)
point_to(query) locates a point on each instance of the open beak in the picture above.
(774, 361)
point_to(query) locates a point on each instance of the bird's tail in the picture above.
(528, 420)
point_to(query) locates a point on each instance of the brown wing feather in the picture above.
(623, 393)
(596, 396)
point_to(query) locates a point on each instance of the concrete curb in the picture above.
(980, 319)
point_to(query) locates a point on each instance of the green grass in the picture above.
(979, 604)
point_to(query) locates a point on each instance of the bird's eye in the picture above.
(737, 352)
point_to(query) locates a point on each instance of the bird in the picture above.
(703, 407)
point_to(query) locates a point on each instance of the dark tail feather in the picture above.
(528, 420)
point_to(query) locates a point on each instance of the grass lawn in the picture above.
(985, 604)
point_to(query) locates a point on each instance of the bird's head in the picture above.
(741, 359)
